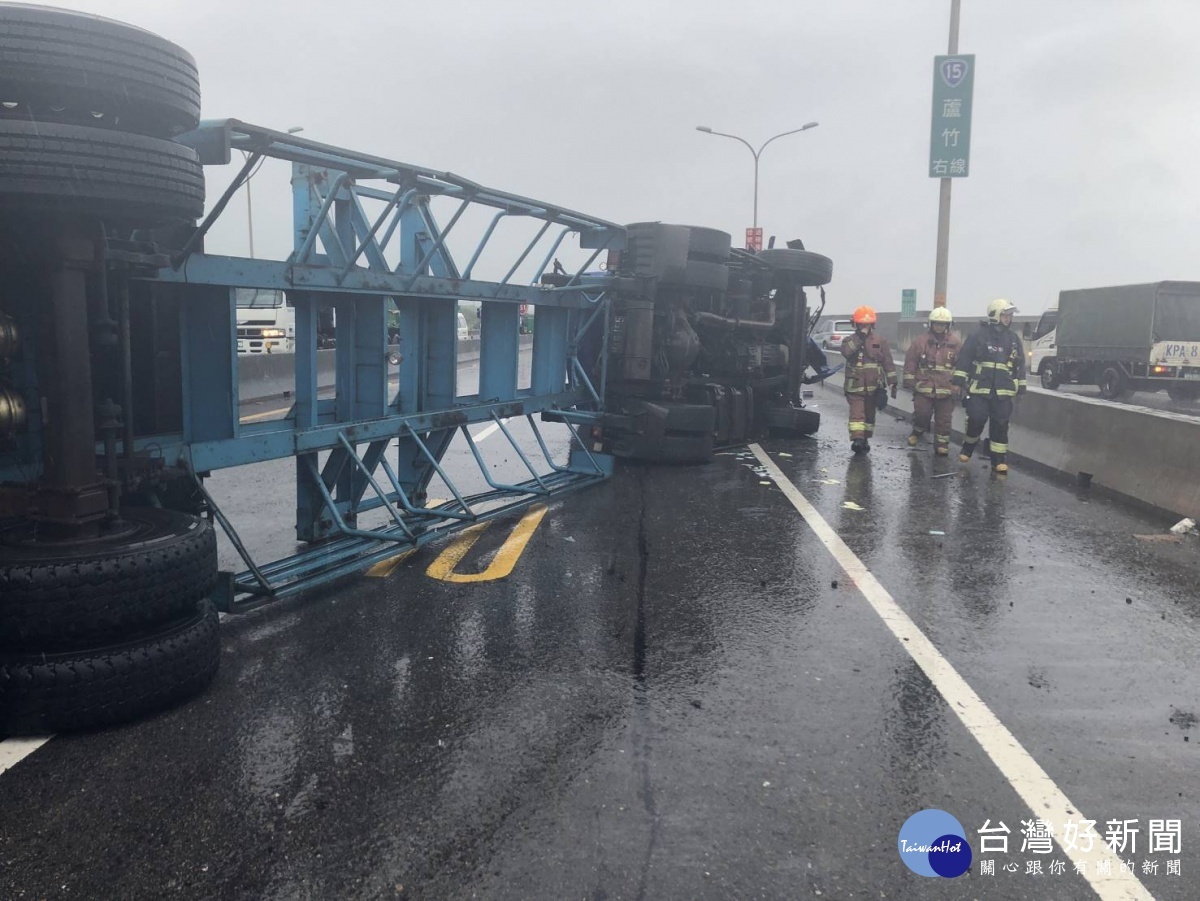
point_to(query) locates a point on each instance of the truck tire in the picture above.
(76, 690)
(670, 449)
(1049, 373)
(1183, 394)
(84, 593)
(62, 66)
(709, 245)
(809, 269)
(53, 170)
(700, 274)
(698, 418)
(792, 420)
(1113, 384)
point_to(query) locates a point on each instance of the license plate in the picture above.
(1192, 375)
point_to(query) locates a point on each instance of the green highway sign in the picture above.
(908, 302)
(950, 141)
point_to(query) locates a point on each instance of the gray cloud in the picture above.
(1081, 149)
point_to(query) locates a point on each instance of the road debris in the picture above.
(850, 505)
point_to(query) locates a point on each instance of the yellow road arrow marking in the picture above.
(502, 564)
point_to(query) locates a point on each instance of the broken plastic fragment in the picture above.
(936, 532)
(850, 505)
(1184, 527)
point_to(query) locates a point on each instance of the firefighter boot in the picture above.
(942, 451)
(915, 438)
(968, 448)
(858, 445)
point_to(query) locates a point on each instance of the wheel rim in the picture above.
(1110, 383)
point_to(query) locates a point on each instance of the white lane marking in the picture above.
(490, 430)
(1023, 773)
(14, 750)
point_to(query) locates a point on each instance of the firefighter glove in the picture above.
(893, 390)
(1020, 391)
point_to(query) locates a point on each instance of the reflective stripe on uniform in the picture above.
(988, 364)
(960, 374)
(998, 448)
(976, 388)
(967, 439)
(857, 425)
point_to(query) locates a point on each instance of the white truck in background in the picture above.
(1123, 339)
(266, 322)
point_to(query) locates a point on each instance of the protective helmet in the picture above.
(942, 315)
(998, 306)
(864, 316)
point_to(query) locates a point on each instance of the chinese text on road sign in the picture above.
(950, 142)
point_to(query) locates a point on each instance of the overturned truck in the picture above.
(119, 386)
(707, 345)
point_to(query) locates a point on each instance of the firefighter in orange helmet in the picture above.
(868, 366)
(928, 370)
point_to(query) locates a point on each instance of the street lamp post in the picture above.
(756, 153)
(249, 200)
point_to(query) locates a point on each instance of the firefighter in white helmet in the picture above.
(992, 369)
(928, 373)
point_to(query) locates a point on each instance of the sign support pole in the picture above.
(943, 226)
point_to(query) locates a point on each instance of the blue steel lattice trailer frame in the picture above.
(365, 237)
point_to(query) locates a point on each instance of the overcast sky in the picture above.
(1082, 151)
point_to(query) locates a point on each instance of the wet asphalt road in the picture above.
(667, 699)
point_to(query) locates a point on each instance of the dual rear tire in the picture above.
(98, 632)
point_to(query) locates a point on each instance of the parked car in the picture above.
(830, 333)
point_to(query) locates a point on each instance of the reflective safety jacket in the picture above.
(868, 363)
(992, 361)
(929, 363)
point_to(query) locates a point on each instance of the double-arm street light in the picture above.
(756, 153)
(249, 201)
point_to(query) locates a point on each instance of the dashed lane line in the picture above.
(14, 750)
(1024, 774)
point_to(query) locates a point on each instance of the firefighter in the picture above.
(991, 367)
(928, 370)
(868, 366)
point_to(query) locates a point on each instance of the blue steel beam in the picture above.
(272, 274)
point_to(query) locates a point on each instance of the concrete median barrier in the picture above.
(1137, 454)
(274, 375)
